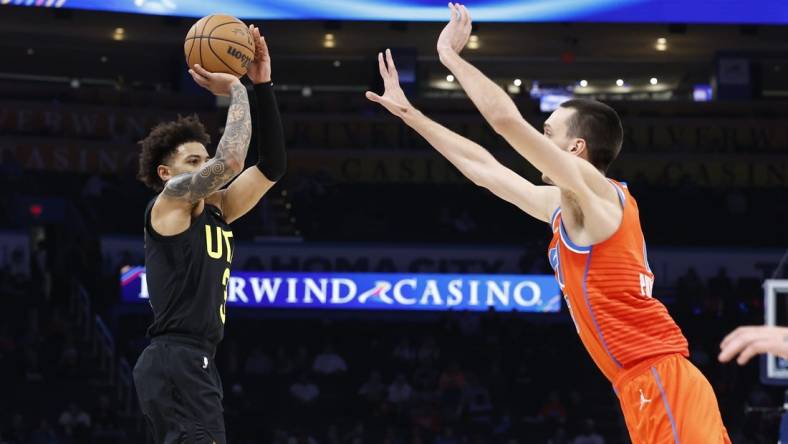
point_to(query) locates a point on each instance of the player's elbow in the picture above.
(504, 121)
(479, 181)
(274, 177)
(479, 177)
(233, 165)
(470, 170)
(274, 170)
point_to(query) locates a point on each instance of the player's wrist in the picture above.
(446, 53)
(261, 80)
(411, 114)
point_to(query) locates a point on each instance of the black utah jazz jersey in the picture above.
(187, 276)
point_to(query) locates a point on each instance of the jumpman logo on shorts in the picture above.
(204, 362)
(643, 400)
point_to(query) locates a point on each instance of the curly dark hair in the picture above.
(162, 141)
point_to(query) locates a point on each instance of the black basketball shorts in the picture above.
(180, 393)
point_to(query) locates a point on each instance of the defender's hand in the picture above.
(393, 98)
(746, 342)
(455, 35)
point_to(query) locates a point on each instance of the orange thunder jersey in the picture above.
(607, 288)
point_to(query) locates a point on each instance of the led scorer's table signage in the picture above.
(377, 291)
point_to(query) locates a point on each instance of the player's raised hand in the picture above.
(455, 35)
(393, 98)
(746, 342)
(259, 70)
(216, 82)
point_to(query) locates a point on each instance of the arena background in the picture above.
(701, 87)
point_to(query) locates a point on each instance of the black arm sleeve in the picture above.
(267, 134)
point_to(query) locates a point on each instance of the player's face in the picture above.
(187, 158)
(555, 129)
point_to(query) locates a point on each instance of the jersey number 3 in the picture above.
(223, 306)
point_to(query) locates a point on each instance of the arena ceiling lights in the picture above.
(614, 11)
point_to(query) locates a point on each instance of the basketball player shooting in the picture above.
(189, 247)
(597, 249)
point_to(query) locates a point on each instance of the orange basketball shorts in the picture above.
(666, 399)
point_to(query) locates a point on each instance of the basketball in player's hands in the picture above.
(220, 43)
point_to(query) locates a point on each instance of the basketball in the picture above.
(219, 43)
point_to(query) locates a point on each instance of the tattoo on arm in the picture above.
(230, 154)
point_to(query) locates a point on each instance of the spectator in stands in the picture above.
(32, 336)
(450, 387)
(283, 364)
(503, 424)
(16, 283)
(75, 423)
(304, 391)
(19, 432)
(94, 187)
(589, 434)
(40, 272)
(690, 292)
(720, 290)
(235, 402)
(280, 437)
(469, 323)
(301, 437)
(758, 397)
(18, 267)
(57, 327)
(477, 402)
(447, 437)
(232, 357)
(428, 352)
(736, 202)
(332, 434)
(452, 378)
(699, 356)
(498, 383)
(521, 385)
(7, 343)
(425, 377)
(373, 390)
(427, 414)
(253, 263)
(404, 351)
(357, 435)
(329, 362)
(69, 356)
(576, 412)
(559, 437)
(553, 408)
(105, 419)
(464, 223)
(301, 362)
(43, 434)
(32, 364)
(399, 391)
(258, 363)
(392, 435)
